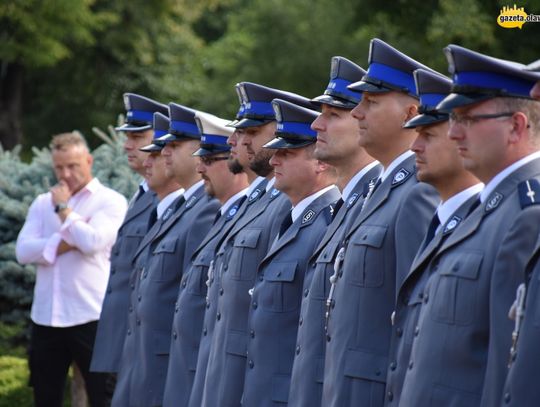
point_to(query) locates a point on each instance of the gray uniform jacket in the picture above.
(195, 398)
(308, 367)
(141, 378)
(409, 301)
(460, 354)
(521, 388)
(276, 301)
(379, 248)
(112, 326)
(237, 263)
(189, 314)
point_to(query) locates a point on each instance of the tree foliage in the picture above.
(193, 52)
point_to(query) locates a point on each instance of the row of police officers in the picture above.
(374, 246)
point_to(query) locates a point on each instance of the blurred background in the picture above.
(64, 64)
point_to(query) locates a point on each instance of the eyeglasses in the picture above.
(209, 160)
(468, 120)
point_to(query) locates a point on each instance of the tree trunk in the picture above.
(78, 391)
(11, 84)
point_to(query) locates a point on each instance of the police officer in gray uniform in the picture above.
(380, 244)
(338, 145)
(230, 189)
(238, 162)
(160, 261)
(460, 354)
(111, 330)
(521, 387)
(438, 164)
(242, 250)
(278, 291)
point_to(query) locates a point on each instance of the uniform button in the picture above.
(176, 309)
(514, 356)
(131, 308)
(393, 366)
(300, 321)
(221, 291)
(251, 364)
(378, 373)
(340, 273)
(421, 295)
(313, 265)
(410, 365)
(129, 331)
(426, 298)
(507, 397)
(252, 333)
(207, 305)
(218, 316)
(306, 292)
(254, 304)
(327, 338)
(138, 322)
(399, 332)
(113, 270)
(261, 278)
(174, 335)
(298, 350)
(204, 331)
(279, 273)
(416, 330)
(390, 396)
(109, 290)
(225, 267)
(145, 273)
(183, 284)
(139, 298)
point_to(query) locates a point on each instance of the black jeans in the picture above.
(52, 350)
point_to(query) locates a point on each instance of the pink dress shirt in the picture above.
(70, 288)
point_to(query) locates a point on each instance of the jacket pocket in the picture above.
(168, 267)
(243, 262)
(365, 250)
(454, 299)
(279, 292)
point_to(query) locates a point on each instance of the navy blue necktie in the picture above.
(285, 224)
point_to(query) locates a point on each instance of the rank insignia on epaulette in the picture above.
(452, 224)
(400, 177)
(494, 201)
(275, 192)
(254, 195)
(191, 202)
(352, 200)
(529, 193)
(232, 212)
(308, 216)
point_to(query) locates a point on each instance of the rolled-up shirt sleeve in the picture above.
(94, 233)
(32, 244)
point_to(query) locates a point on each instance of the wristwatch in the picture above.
(60, 207)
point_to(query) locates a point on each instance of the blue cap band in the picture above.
(258, 109)
(184, 127)
(393, 76)
(494, 80)
(431, 99)
(159, 133)
(140, 116)
(338, 87)
(213, 139)
(302, 129)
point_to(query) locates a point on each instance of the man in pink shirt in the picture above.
(68, 235)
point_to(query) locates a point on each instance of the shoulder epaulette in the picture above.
(529, 193)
